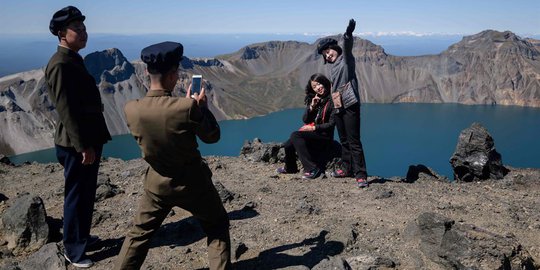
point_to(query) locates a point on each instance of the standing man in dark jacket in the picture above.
(166, 129)
(80, 132)
(346, 103)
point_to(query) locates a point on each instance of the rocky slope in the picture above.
(487, 68)
(284, 222)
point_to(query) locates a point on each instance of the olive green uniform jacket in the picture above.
(74, 93)
(166, 128)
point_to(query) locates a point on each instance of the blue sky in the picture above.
(280, 16)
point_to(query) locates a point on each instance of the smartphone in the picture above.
(196, 84)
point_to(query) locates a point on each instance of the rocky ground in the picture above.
(282, 221)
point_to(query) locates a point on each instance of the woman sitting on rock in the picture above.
(313, 140)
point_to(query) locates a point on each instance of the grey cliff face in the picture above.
(109, 65)
(487, 68)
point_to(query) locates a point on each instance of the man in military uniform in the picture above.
(80, 131)
(166, 128)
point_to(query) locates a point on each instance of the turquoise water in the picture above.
(394, 135)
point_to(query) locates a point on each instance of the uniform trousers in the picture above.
(193, 192)
(311, 148)
(348, 127)
(79, 197)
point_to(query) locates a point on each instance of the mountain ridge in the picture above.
(490, 67)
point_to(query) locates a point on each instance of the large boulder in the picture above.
(49, 257)
(451, 245)
(271, 152)
(475, 157)
(24, 224)
(258, 151)
(5, 160)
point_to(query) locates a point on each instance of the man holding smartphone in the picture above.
(177, 176)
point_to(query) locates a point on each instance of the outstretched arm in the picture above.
(350, 28)
(348, 40)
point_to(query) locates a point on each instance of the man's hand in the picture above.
(200, 98)
(350, 28)
(88, 156)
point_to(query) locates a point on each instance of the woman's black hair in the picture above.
(320, 78)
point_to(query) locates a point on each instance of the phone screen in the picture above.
(196, 84)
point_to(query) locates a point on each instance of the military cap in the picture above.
(160, 57)
(63, 17)
(325, 43)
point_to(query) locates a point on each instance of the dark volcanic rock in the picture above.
(334, 263)
(224, 193)
(462, 246)
(5, 160)
(370, 261)
(105, 189)
(24, 224)
(3, 197)
(475, 157)
(306, 206)
(295, 267)
(258, 151)
(49, 257)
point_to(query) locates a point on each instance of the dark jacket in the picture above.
(166, 128)
(343, 74)
(323, 117)
(74, 93)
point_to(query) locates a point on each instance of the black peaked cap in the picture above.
(63, 17)
(162, 56)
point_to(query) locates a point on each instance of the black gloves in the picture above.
(350, 28)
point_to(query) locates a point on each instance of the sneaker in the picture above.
(362, 182)
(311, 174)
(85, 263)
(339, 173)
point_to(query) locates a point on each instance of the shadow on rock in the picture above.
(243, 214)
(55, 225)
(275, 258)
(380, 180)
(421, 171)
(181, 233)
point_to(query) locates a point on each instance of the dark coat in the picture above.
(343, 74)
(74, 93)
(322, 116)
